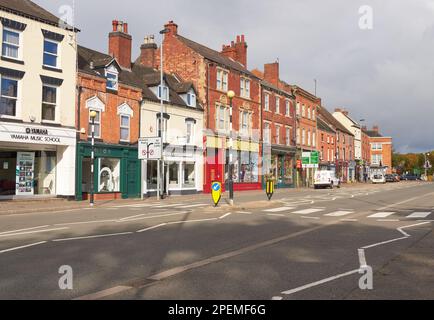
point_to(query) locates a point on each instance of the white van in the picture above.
(378, 178)
(326, 179)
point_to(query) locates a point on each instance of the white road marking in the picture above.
(381, 215)
(194, 206)
(307, 217)
(156, 216)
(314, 284)
(277, 298)
(280, 209)
(362, 258)
(275, 214)
(151, 228)
(348, 220)
(31, 232)
(243, 212)
(225, 215)
(137, 205)
(419, 215)
(22, 247)
(132, 217)
(104, 293)
(410, 226)
(168, 205)
(308, 211)
(27, 229)
(83, 222)
(93, 237)
(405, 201)
(338, 213)
(388, 220)
(187, 221)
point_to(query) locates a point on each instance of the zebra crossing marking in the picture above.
(339, 213)
(280, 209)
(381, 215)
(418, 215)
(308, 211)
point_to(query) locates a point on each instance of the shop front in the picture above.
(183, 171)
(279, 165)
(116, 172)
(36, 161)
(246, 164)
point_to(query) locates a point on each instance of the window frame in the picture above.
(116, 74)
(99, 112)
(222, 83)
(9, 97)
(267, 101)
(278, 128)
(190, 138)
(160, 91)
(20, 44)
(123, 127)
(58, 55)
(192, 97)
(288, 108)
(277, 105)
(56, 105)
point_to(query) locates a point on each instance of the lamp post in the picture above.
(160, 179)
(231, 95)
(426, 165)
(92, 115)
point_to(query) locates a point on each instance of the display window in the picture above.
(109, 175)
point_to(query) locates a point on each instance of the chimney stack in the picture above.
(120, 44)
(237, 50)
(172, 27)
(271, 73)
(148, 52)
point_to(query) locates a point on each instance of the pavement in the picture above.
(304, 244)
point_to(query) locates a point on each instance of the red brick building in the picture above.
(381, 152)
(213, 74)
(107, 86)
(344, 144)
(278, 123)
(326, 144)
(306, 107)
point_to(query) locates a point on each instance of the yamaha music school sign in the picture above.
(37, 134)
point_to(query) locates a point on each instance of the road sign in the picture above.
(310, 159)
(270, 189)
(314, 157)
(216, 192)
(150, 148)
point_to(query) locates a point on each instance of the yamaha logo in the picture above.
(43, 132)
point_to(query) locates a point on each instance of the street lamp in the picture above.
(92, 115)
(160, 179)
(231, 95)
(426, 165)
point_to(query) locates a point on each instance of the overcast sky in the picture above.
(384, 75)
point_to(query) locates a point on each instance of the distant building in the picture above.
(381, 152)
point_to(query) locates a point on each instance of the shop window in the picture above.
(49, 102)
(9, 97)
(189, 175)
(174, 174)
(109, 175)
(45, 175)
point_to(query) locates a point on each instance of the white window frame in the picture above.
(117, 79)
(309, 138)
(96, 123)
(123, 127)
(278, 128)
(288, 136)
(20, 43)
(222, 109)
(267, 101)
(303, 137)
(303, 111)
(58, 55)
(244, 123)
(288, 108)
(190, 138)
(314, 139)
(267, 132)
(222, 80)
(164, 129)
(298, 109)
(163, 90)
(298, 137)
(192, 98)
(309, 112)
(56, 105)
(277, 104)
(17, 104)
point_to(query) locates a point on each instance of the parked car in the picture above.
(378, 178)
(390, 178)
(397, 177)
(410, 177)
(326, 179)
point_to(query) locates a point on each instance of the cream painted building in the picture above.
(37, 108)
(182, 134)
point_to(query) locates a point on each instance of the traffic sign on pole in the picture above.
(150, 148)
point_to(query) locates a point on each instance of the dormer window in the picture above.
(191, 100)
(112, 80)
(163, 93)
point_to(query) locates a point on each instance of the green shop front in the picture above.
(116, 171)
(279, 165)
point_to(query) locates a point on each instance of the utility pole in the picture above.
(231, 95)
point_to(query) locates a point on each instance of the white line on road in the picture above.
(83, 222)
(151, 228)
(362, 258)
(388, 220)
(275, 214)
(93, 237)
(168, 205)
(314, 284)
(194, 206)
(27, 229)
(348, 220)
(307, 217)
(243, 212)
(405, 201)
(280, 209)
(23, 247)
(225, 215)
(419, 215)
(187, 221)
(131, 217)
(156, 216)
(308, 211)
(411, 226)
(339, 213)
(381, 215)
(31, 232)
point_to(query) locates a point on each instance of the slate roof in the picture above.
(324, 126)
(328, 117)
(29, 10)
(215, 56)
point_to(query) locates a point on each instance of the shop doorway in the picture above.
(8, 164)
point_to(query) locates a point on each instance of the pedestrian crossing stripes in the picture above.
(381, 215)
(339, 213)
(308, 211)
(419, 215)
(279, 209)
